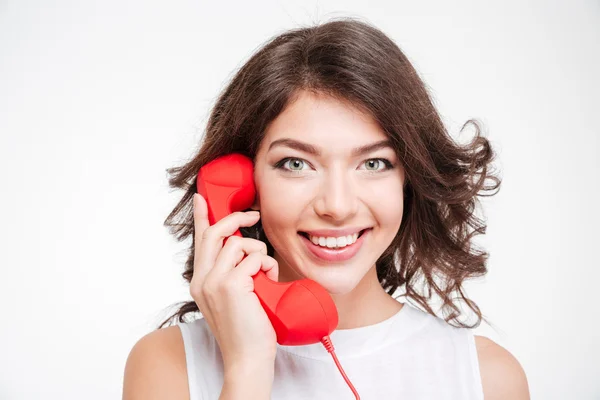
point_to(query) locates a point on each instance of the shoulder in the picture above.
(156, 367)
(502, 376)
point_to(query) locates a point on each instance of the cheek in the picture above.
(387, 201)
(279, 210)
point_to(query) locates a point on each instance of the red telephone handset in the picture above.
(301, 312)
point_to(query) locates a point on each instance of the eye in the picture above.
(373, 163)
(295, 164)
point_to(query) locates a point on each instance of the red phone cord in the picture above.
(329, 346)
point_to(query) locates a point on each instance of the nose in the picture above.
(338, 196)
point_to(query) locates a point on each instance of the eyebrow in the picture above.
(310, 149)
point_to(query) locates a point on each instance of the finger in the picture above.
(200, 220)
(235, 250)
(229, 224)
(256, 262)
(213, 236)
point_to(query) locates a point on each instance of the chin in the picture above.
(335, 281)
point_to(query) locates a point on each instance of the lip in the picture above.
(331, 255)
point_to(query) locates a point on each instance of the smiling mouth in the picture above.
(359, 233)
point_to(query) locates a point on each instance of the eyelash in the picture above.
(280, 163)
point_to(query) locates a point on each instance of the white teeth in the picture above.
(332, 242)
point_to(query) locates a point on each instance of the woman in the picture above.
(349, 153)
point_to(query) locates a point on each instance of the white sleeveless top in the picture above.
(411, 355)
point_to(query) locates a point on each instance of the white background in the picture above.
(97, 99)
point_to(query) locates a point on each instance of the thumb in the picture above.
(271, 270)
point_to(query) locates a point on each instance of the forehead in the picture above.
(325, 122)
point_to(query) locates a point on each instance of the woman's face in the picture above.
(330, 187)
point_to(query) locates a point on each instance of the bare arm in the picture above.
(501, 374)
(156, 369)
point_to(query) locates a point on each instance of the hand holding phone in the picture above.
(222, 286)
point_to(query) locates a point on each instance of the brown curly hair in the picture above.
(354, 61)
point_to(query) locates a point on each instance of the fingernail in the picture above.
(253, 213)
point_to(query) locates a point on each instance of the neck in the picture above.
(367, 304)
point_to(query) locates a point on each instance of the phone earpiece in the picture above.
(301, 312)
(227, 185)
